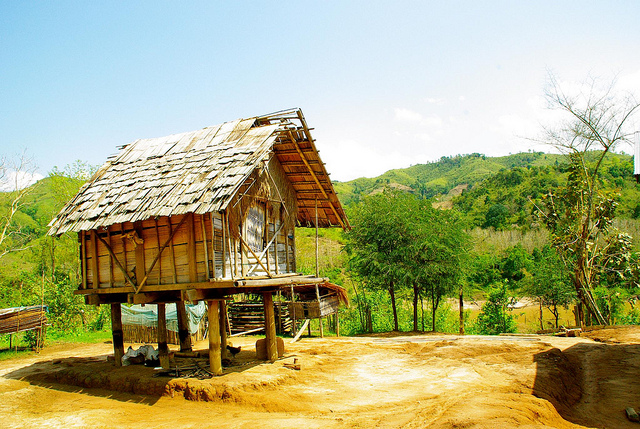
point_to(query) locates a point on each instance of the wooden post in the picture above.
(317, 268)
(461, 308)
(163, 349)
(183, 327)
(223, 329)
(337, 324)
(293, 315)
(286, 251)
(319, 318)
(116, 329)
(270, 327)
(280, 328)
(215, 357)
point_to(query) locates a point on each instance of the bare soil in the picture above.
(391, 380)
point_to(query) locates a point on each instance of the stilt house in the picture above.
(198, 216)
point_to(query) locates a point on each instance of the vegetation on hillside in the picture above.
(509, 256)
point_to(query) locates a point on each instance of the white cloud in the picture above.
(14, 180)
(371, 162)
(406, 115)
(432, 100)
(631, 83)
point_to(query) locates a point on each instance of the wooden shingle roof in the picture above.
(201, 171)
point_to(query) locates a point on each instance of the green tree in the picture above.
(377, 239)
(493, 318)
(496, 216)
(551, 282)
(435, 257)
(400, 241)
(580, 214)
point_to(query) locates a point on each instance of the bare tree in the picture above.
(16, 174)
(580, 214)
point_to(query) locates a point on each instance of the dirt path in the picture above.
(408, 381)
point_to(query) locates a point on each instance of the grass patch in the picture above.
(20, 348)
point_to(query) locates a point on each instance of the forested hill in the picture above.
(440, 177)
(494, 191)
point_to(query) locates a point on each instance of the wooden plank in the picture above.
(173, 255)
(124, 252)
(246, 246)
(95, 268)
(123, 269)
(191, 249)
(144, 280)
(83, 259)
(215, 355)
(301, 331)
(160, 258)
(270, 327)
(139, 254)
(206, 248)
(225, 250)
(213, 246)
(220, 284)
(111, 276)
(266, 236)
(118, 337)
(163, 349)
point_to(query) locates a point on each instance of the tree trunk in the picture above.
(541, 314)
(461, 311)
(392, 294)
(415, 306)
(434, 307)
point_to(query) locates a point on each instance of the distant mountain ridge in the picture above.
(475, 183)
(440, 177)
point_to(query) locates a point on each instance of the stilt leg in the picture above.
(183, 327)
(163, 349)
(116, 329)
(215, 358)
(223, 329)
(270, 327)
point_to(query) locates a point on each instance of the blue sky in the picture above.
(384, 84)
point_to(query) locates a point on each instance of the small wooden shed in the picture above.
(198, 216)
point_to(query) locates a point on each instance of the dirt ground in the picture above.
(413, 381)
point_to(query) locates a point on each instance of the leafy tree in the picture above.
(493, 318)
(551, 283)
(515, 264)
(580, 214)
(496, 216)
(376, 239)
(399, 240)
(435, 256)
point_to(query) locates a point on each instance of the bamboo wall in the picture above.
(149, 334)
